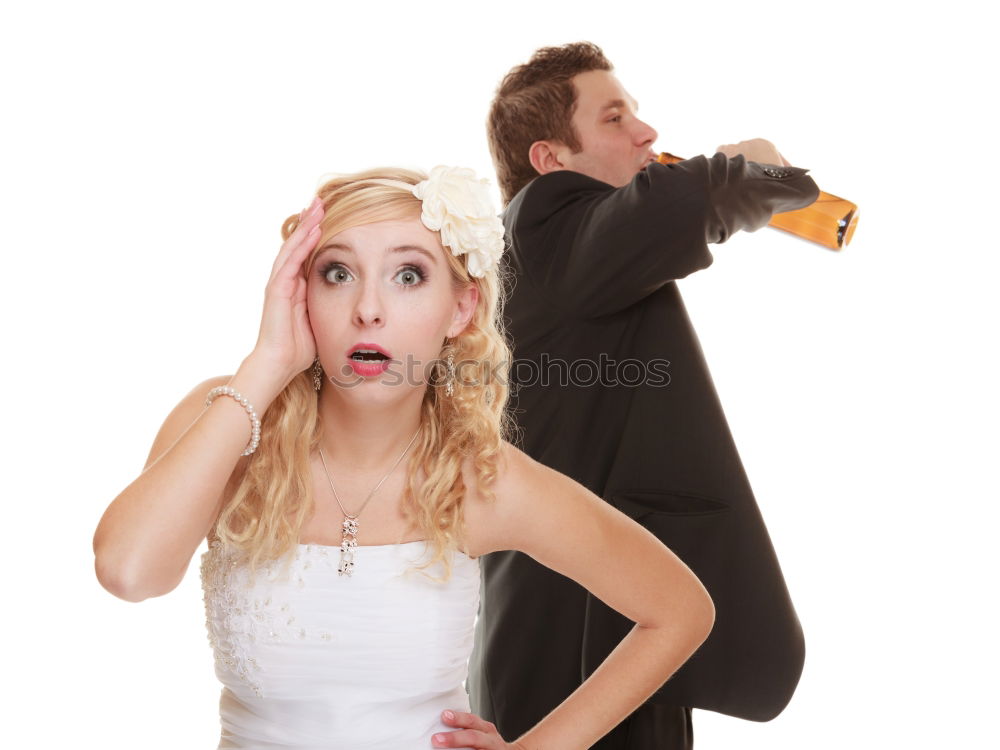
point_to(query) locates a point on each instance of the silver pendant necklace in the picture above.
(350, 526)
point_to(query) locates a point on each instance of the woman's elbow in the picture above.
(125, 581)
(687, 615)
(705, 620)
(699, 611)
(115, 581)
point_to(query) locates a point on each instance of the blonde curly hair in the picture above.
(266, 513)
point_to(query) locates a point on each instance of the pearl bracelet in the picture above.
(225, 390)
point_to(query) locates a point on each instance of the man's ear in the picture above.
(545, 156)
(467, 301)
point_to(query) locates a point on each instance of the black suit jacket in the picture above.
(593, 270)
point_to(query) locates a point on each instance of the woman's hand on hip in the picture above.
(473, 732)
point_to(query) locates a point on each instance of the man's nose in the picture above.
(368, 306)
(645, 134)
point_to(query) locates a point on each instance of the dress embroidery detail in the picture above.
(237, 615)
(245, 614)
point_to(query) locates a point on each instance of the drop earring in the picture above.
(449, 387)
(317, 373)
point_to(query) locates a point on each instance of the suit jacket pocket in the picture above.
(639, 504)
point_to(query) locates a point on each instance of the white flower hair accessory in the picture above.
(458, 205)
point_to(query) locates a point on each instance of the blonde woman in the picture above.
(342, 581)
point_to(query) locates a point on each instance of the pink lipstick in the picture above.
(368, 360)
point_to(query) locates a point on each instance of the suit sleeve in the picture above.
(595, 250)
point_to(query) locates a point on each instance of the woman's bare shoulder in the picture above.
(488, 519)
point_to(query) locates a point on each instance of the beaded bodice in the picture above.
(310, 658)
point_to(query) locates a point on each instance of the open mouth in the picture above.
(367, 355)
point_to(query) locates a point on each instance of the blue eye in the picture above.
(411, 275)
(335, 273)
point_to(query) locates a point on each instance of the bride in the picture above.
(342, 583)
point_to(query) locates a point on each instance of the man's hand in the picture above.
(756, 149)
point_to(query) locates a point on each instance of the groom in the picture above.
(611, 388)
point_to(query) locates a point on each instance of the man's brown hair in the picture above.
(535, 102)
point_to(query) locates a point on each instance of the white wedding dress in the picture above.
(310, 659)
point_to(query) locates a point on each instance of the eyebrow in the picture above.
(620, 103)
(396, 249)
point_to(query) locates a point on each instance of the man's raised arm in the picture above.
(595, 249)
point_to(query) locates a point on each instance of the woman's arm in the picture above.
(148, 535)
(567, 528)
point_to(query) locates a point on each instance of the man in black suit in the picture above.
(609, 386)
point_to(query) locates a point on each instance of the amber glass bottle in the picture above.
(829, 221)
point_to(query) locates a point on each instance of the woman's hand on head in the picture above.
(473, 731)
(286, 341)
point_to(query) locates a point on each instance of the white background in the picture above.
(151, 152)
